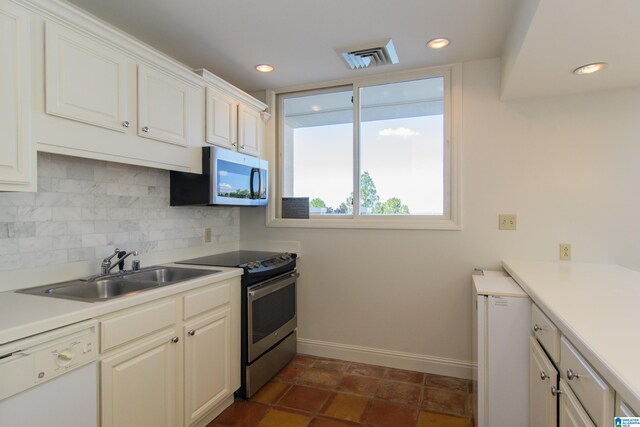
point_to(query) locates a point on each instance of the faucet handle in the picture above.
(121, 255)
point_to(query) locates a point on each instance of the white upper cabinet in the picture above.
(101, 94)
(17, 155)
(163, 107)
(221, 119)
(85, 80)
(234, 119)
(250, 130)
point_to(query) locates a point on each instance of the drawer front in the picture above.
(595, 394)
(136, 322)
(203, 300)
(546, 332)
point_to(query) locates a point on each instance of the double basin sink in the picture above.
(128, 283)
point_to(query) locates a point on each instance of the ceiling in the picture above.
(540, 41)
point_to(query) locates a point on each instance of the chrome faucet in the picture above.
(106, 267)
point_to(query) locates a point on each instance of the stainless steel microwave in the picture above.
(228, 178)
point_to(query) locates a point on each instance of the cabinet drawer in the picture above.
(202, 300)
(137, 322)
(546, 332)
(595, 394)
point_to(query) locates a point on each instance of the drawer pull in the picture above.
(555, 391)
(192, 332)
(145, 129)
(571, 374)
(536, 328)
(543, 375)
(126, 124)
(175, 339)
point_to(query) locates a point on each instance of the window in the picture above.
(374, 153)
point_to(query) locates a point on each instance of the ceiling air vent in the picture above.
(377, 54)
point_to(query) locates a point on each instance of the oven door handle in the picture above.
(268, 288)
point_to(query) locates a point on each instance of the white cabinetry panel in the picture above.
(207, 364)
(249, 130)
(17, 155)
(222, 119)
(139, 385)
(163, 107)
(85, 80)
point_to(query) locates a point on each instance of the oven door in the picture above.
(271, 310)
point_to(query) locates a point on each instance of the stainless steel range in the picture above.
(269, 317)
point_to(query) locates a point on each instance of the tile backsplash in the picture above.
(84, 209)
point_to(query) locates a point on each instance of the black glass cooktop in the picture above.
(231, 259)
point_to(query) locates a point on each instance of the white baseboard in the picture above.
(388, 358)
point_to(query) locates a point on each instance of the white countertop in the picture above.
(597, 307)
(23, 315)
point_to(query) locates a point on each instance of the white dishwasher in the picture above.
(50, 379)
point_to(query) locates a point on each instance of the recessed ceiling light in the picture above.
(438, 43)
(264, 68)
(590, 68)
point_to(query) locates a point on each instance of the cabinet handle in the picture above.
(536, 328)
(571, 374)
(192, 332)
(555, 391)
(175, 339)
(235, 144)
(242, 146)
(126, 124)
(145, 129)
(543, 375)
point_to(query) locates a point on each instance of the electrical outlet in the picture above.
(565, 251)
(507, 221)
(207, 235)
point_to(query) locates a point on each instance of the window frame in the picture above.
(450, 220)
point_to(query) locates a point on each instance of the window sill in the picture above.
(387, 223)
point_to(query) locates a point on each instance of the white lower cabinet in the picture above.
(138, 384)
(171, 375)
(572, 414)
(543, 386)
(207, 353)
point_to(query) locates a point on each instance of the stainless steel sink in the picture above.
(166, 275)
(106, 288)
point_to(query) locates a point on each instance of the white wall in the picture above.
(569, 167)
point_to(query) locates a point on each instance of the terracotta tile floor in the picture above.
(317, 392)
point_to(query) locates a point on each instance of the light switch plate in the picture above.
(507, 221)
(207, 235)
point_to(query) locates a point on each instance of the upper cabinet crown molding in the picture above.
(227, 87)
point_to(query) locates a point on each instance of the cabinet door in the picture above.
(543, 375)
(138, 385)
(572, 414)
(222, 119)
(163, 107)
(207, 364)
(85, 80)
(250, 130)
(17, 154)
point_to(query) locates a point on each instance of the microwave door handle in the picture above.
(259, 184)
(253, 193)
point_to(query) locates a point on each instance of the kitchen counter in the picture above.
(23, 315)
(596, 307)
